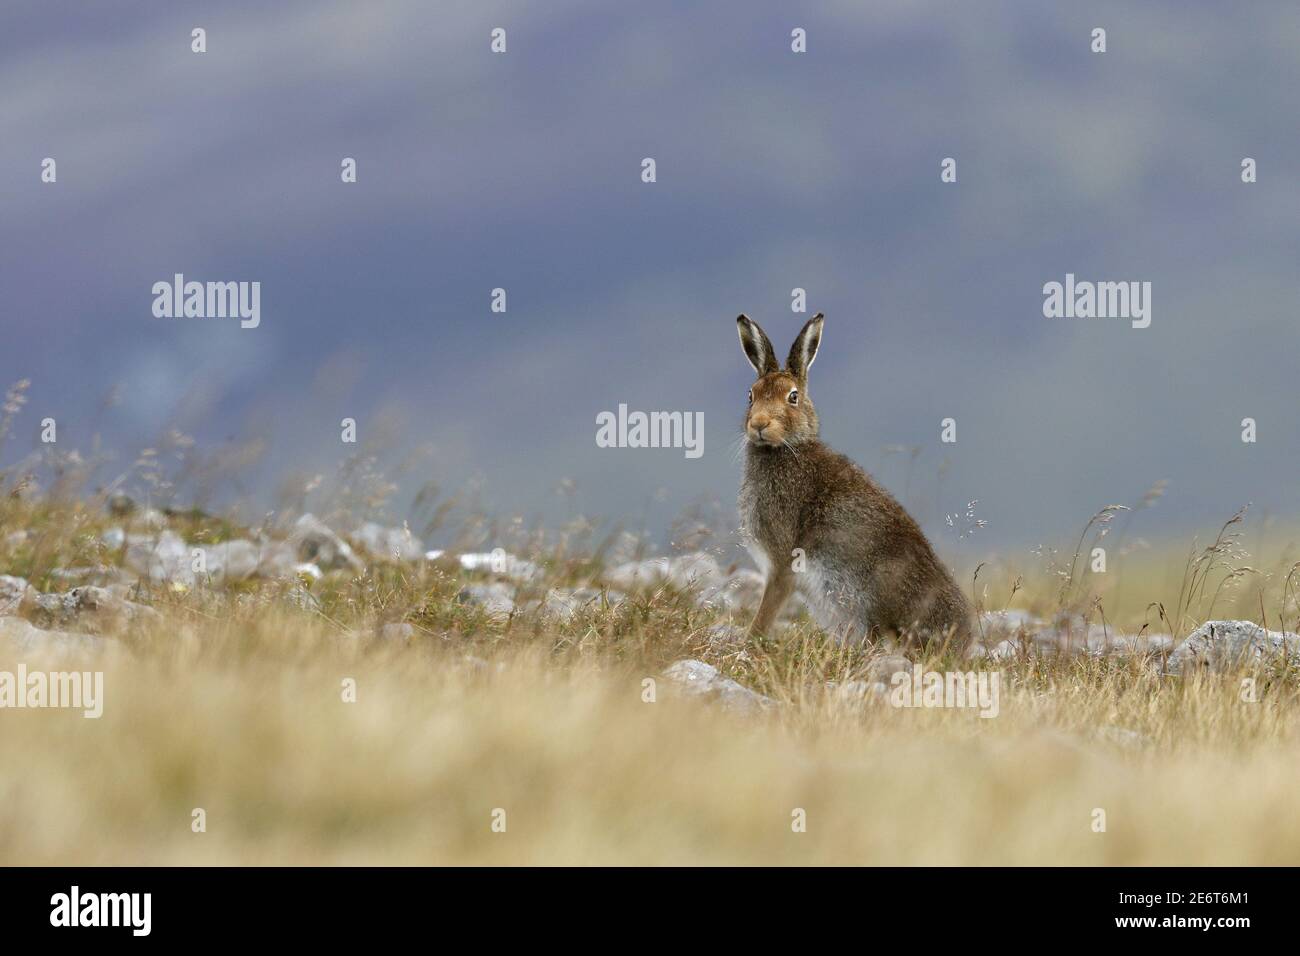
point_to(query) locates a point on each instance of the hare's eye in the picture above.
(793, 397)
(751, 396)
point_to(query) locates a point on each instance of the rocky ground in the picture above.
(335, 692)
(103, 602)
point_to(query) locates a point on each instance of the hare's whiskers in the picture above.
(737, 448)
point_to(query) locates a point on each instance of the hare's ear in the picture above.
(804, 349)
(757, 346)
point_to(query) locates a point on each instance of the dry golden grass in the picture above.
(232, 702)
(251, 727)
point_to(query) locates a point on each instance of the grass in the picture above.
(233, 701)
(246, 720)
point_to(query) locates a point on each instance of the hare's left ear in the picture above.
(804, 349)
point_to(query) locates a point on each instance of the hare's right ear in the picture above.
(758, 349)
(805, 346)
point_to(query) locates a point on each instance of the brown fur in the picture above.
(869, 569)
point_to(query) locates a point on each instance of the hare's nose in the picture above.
(758, 424)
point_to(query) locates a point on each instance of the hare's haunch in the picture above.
(816, 521)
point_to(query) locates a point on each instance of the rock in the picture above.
(308, 570)
(101, 574)
(697, 572)
(1132, 645)
(313, 541)
(634, 575)
(277, 560)
(1002, 651)
(125, 590)
(496, 598)
(392, 543)
(1062, 640)
(743, 590)
(564, 603)
(12, 592)
(113, 539)
(232, 560)
(502, 563)
(22, 635)
(164, 560)
(240, 559)
(1228, 645)
(1004, 635)
(16, 539)
(397, 632)
(882, 669)
(88, 608)
(700, 575)
(1095, 639)
(698, 679)
(1005, 625)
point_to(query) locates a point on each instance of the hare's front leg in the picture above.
(780, 582)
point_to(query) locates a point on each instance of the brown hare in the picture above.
(813, 519)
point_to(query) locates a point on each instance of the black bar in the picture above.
(367, 905)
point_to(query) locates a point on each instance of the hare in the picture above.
(813, 519)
